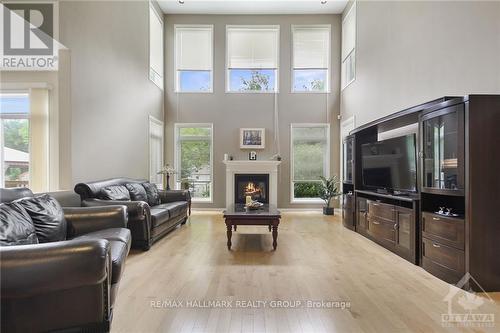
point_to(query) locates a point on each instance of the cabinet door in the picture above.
(348, 211)
(405, 220)
(443, 150)
(348, 164)
(361, 213)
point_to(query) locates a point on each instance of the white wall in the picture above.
(111, 94)
(411, 52)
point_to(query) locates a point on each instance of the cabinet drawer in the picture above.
(382, 230)
(446, 230)
(443, 261)
(381, 211)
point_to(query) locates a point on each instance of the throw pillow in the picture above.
(137, 192)
(16, 227)
(152, 193)
(47, 216)
(115, 192)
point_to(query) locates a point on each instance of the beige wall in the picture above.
(228, 111)
(111, 94)
(411, 52)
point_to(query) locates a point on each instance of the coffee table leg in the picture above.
(229, 234)
(269, 228)
(234, 227)
(275, 236)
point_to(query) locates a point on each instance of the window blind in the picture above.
(311, 47)
(193, 48)
(349, 32)
(155, 42)
(253, 47)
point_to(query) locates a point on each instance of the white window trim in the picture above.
(347, 84)
(276, 78)
(162, 124)
(294, 200)
(176, 72)
(177, 126)
(162, 75)
(328, 72)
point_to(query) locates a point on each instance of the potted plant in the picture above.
(328, 191)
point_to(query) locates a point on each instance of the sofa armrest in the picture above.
(136, 209)
(174, 195)
(29, 270)
(82, 220)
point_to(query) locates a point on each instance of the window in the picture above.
(193, 159)
(15, 130)
(349, 47)
(311, 58)
(252, 58)
(155, 47)
(193, 58)
(155, 151)
(310, 157)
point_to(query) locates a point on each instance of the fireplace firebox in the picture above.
(254, 185)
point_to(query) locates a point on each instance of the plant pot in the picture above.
(328, 210)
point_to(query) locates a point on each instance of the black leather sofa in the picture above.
(152, 213)
(60, 267)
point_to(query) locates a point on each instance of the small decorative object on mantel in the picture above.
(166, 171)
(328, 191)
(252, 156)
(276, 157)
(252, 138)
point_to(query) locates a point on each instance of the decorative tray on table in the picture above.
(254, 205)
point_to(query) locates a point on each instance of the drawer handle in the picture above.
(436, 218)
(436, 245)
(374, 204)
(375, 222)
(395, 226)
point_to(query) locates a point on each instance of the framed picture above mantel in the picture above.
(252, 138)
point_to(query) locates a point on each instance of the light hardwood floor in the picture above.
(316, 259)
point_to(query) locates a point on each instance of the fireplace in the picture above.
(254, 185)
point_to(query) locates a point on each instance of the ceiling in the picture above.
(252, 7)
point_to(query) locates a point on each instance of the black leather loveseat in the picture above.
(60, 267)
(152, 213)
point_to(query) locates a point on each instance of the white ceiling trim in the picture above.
(260, 7)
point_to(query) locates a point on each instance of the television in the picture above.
(390, 164)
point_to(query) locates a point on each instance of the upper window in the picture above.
(193, 58)
(349, 47)
(193, 160)
(310, 159)
(155, 47)
(252, 58)
(311, 58)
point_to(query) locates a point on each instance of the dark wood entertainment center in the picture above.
(451, 224)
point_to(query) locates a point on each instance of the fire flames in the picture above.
(251, 189)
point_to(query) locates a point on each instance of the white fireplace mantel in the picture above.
(249, 167)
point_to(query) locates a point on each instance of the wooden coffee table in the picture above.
(237, 215)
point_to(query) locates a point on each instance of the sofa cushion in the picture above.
(119, 252)
(47, 216)
(137, 192)
(175, 208)
(152, 193)
(115, 192)
(16, 226)
(159, 216)
(111, 234)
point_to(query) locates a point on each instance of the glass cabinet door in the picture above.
(443, 149)
(348, 160)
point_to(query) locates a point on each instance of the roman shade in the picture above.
(252, 47)
(193, 47)
(156, 42)
(349, 33)
(311, 47)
